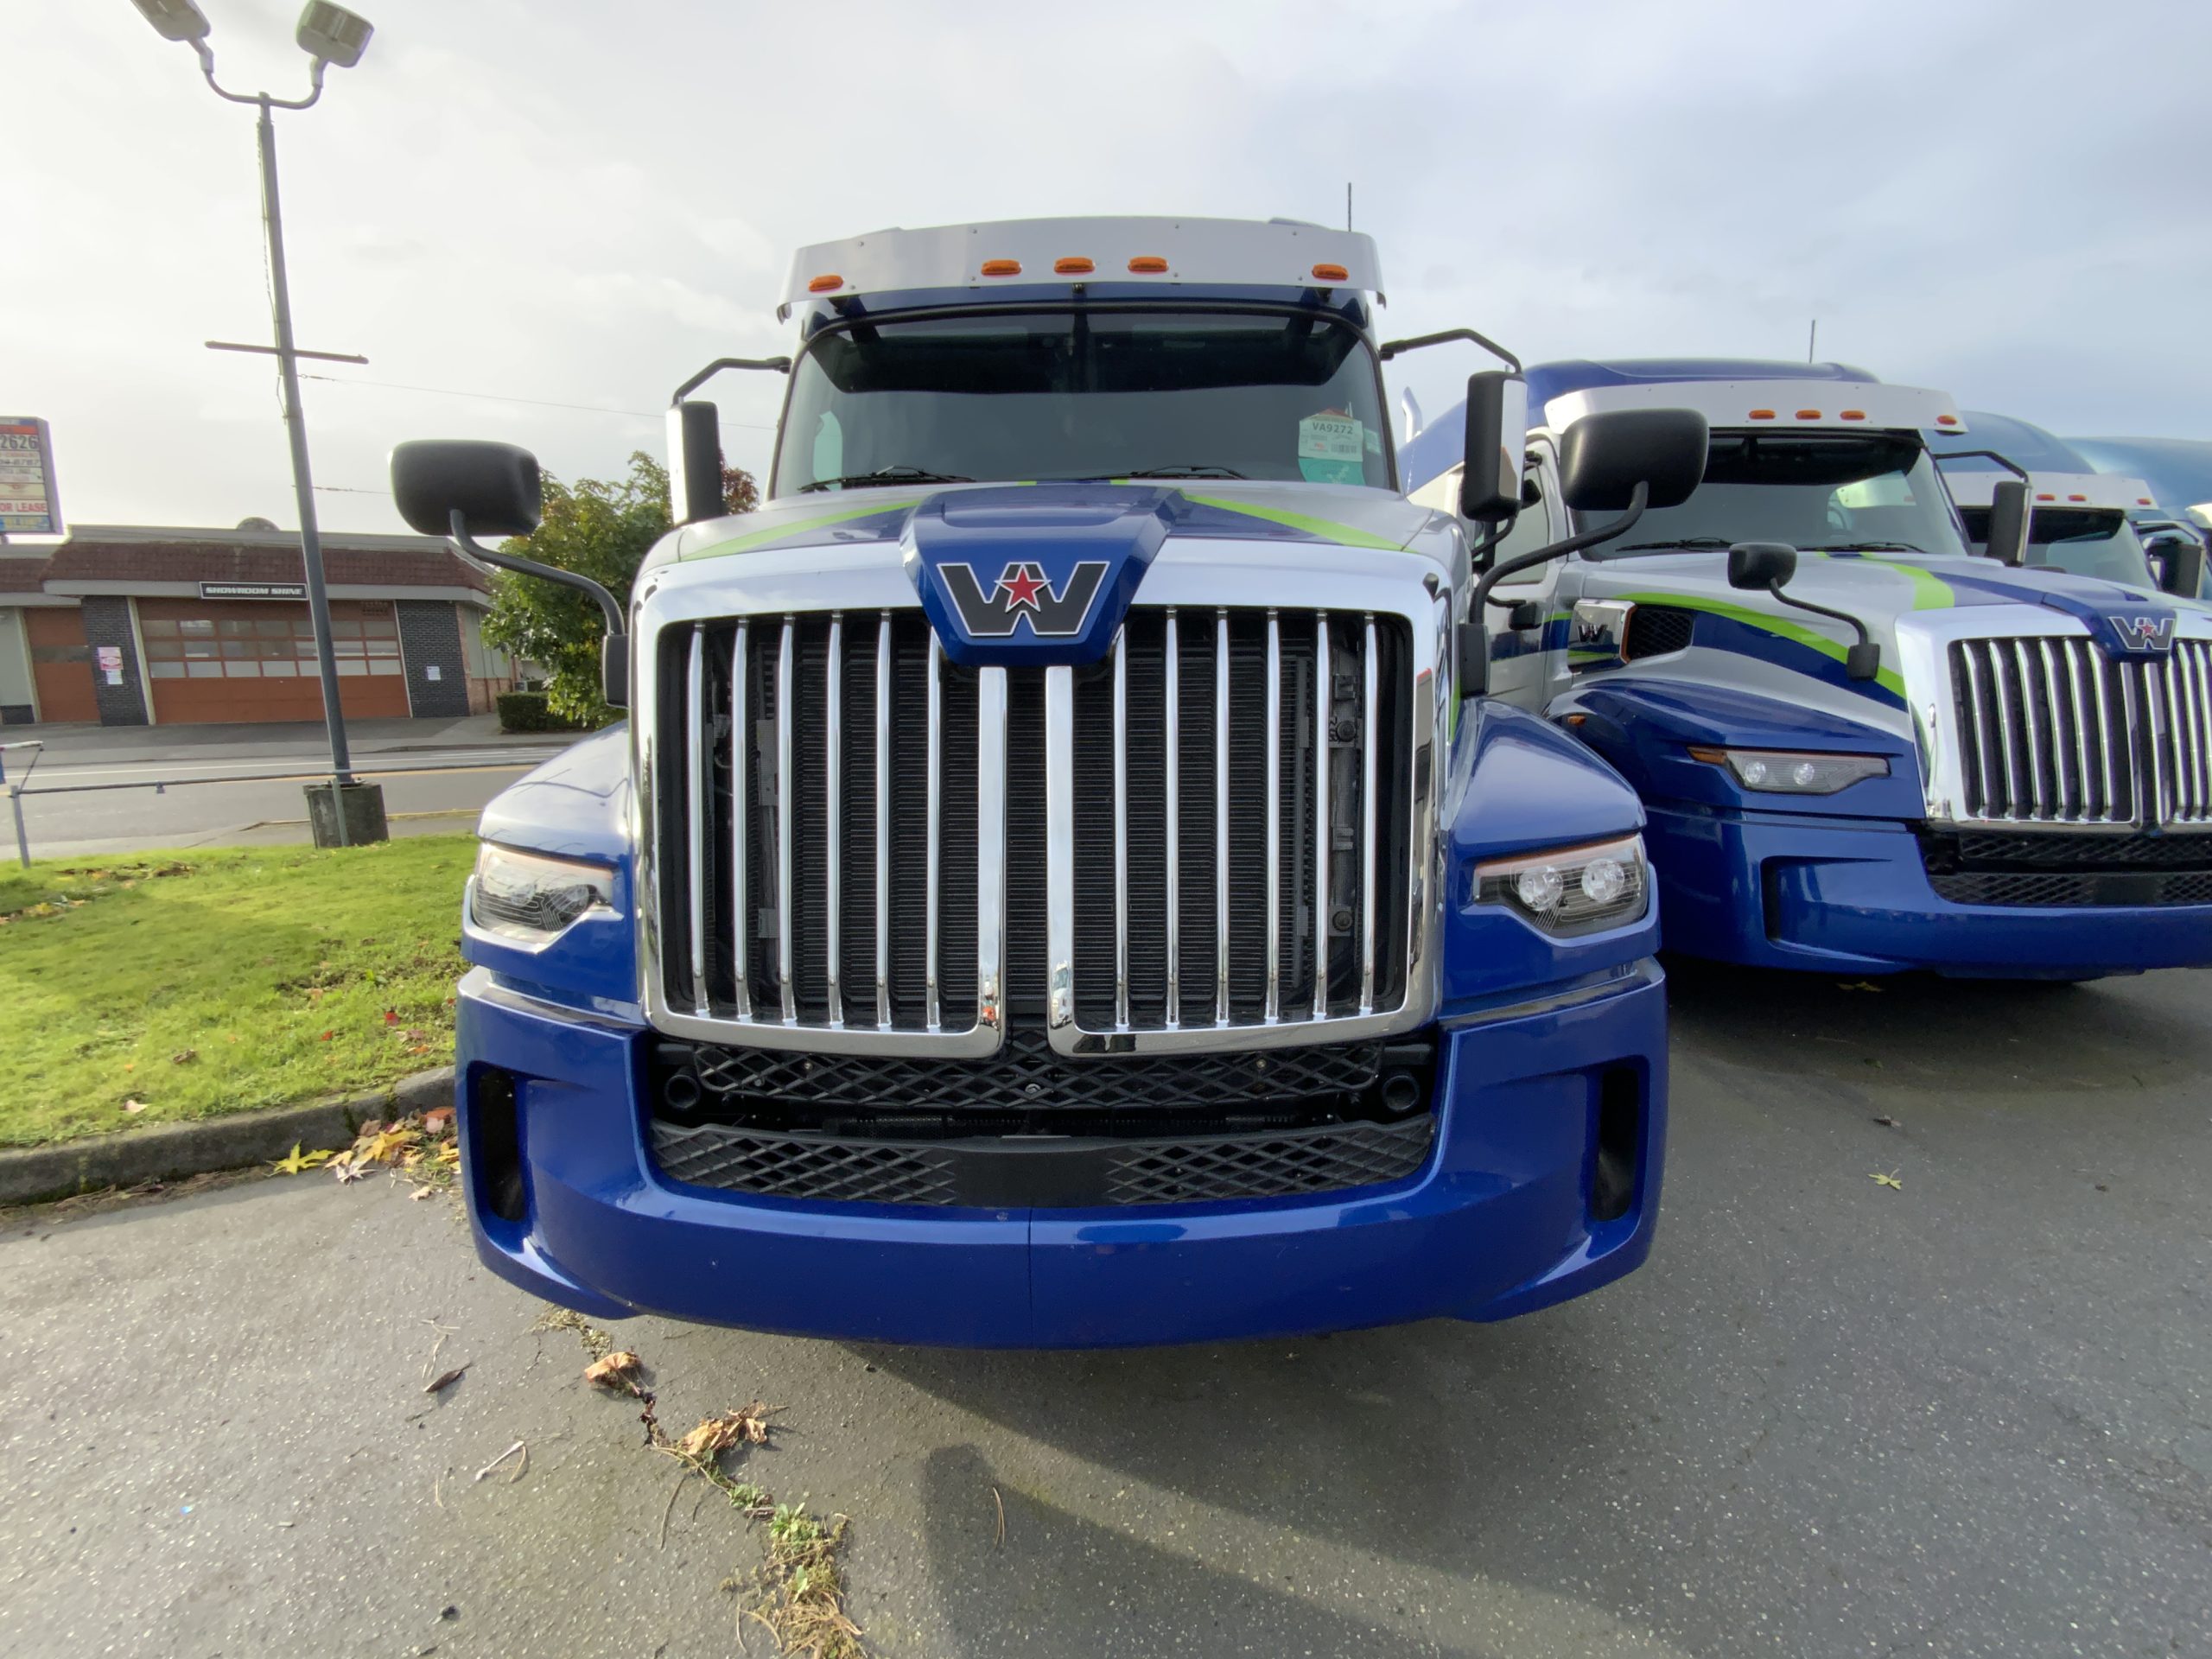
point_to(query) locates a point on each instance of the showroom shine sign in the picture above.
(28, 505)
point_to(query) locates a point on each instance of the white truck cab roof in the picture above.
(1815, 405)
(1274, 254)
(2089, 490)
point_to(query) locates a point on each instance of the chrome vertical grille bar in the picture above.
(1999, 659)
(2137, 707)
(1059, 847)
(1174, 768)
(2192, 657)
(883, 823)
(2188, 751)
(1274, 817)
(2105, 745)
(2164, 736)
(1321, 816)
(699, 784)
(990, 851)
(786, 789)
(2076, 655)
(1120, 827)
(740, 825)
(2035, 735)
(1372, 669)
(1221, 817)
(1980, 706)
(933, 769)
(2055, 707)
(834, 818)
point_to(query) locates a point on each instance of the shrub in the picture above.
(528, 711)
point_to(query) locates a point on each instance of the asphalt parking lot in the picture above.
(1969, 1414)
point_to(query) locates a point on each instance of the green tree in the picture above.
(600, 529)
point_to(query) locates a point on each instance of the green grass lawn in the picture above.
(217, 981)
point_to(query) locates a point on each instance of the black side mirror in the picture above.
(1761, 565)
(460, 488)
(1765, 566)
(2007, 540)
(494, 486)
(695, 462)
(1602, 458)
(1497, 438)
(2178, 562)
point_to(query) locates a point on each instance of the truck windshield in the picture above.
(1084, 393)
(2084, 541)
(1811, 490)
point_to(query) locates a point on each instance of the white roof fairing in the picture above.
(2087, 490)
(1276, 253)
(1730, 405)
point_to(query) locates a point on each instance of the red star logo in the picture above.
(1021, 587)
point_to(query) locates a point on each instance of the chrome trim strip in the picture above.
(1981, 738)
(2035, 742)
(1174, 768)
(832, 772)
(990, 868)
(883, 823)
(1321, 662)
(786, 791)
(2154, 707)
(2055, 708)
(933, 769)
(1997, 659)
(2192, 658)
(1221, 817)
(741, 824)
(2078, 701)
(699, 775)
(1274, 817)
(2130, 697)
(1369, 717)
(1059, 848)
(1120, 828)
(2097, 675)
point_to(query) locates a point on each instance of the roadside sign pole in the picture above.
(334, 715)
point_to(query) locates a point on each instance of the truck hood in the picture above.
(1886, 593)
(1014, 574)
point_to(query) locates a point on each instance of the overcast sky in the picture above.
(533, 200)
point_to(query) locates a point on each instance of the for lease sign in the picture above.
(28, 506)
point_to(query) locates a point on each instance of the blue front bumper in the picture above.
(1776, 890)
(1497, 1222)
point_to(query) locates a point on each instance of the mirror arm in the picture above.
(778, 365)
(1393, 348)
(467, 546)
(1862, 661)
(1474, 637)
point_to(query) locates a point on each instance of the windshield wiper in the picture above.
(899, 474)
(1693, 544)
(1183, 469)
(1867, 547)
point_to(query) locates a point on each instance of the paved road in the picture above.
(430, 785)
(1971, 1417)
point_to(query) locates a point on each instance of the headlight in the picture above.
(1786, 772)
(1571, 889)
(530, 898)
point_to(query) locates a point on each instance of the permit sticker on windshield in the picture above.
(1329, 448)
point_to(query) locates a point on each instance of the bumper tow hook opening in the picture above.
(1620, 1142)
(496, 1144)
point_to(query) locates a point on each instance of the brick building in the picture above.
(131, 624)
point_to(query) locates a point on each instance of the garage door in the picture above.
(61, 663)
(216, 660)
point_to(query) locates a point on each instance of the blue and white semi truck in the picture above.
(1049, 890)
(1861, 749)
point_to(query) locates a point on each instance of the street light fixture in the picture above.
(328, 34)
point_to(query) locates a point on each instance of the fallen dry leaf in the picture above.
(391, 1016)
(1889, 1179)
(614, 1371)
(134, 1105)
(184, 1057)
(345, 1172)
(437, 1122)
(748, 1424)
(447, 1380)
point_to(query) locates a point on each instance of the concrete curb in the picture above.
(29, 1174)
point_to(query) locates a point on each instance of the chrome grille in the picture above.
(2051, 731)
(1204, 840)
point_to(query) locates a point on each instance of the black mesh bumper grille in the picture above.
(1049, 1172)
(2070, 871)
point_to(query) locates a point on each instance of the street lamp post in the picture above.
(329, 34)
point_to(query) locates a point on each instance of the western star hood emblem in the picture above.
(1023, 595)
(2144, 632)
(1028, 574)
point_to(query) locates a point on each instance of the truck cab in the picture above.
(1864, 749)
(1050, 890)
